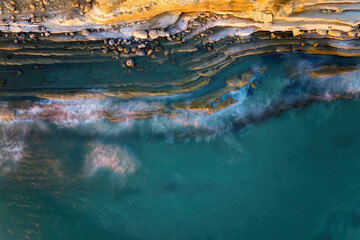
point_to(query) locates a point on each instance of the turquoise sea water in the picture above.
(271, 166)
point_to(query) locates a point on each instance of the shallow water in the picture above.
(281, 163)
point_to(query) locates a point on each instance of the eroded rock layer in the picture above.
(129, 51)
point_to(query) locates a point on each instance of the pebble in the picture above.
(130, 63)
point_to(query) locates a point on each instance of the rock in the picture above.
(126, 50)
(120, 48)
(334, 33)
(253, 85)
(130, 63)
(158, 49)
(105, 50)
(87, 7)
(85, 32)
(153, 34)
(351, 34)
(46, 2)
(32, 6)
(111, 42)
(161, 33)
(16, 41)
(140, 53)
(140, 34)
(38, 19)
(19, 72)
(8, 5)
(2, 82)
(320, 32)
(142, 45)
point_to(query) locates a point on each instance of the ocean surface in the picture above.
(281, 163)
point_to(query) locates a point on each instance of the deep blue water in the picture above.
(282, 163)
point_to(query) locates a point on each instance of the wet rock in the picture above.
(149, 52)
(105, 50)
(140, 53)
(130, 62)
(2, 82)
(140, 34)
(111, 42)
(126, 50)
(120, 48)
(158, 49)
(142, 45)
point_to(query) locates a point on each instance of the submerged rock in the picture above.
(130, 62)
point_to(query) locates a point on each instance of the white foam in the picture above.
(117, 159)
(12, 145)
